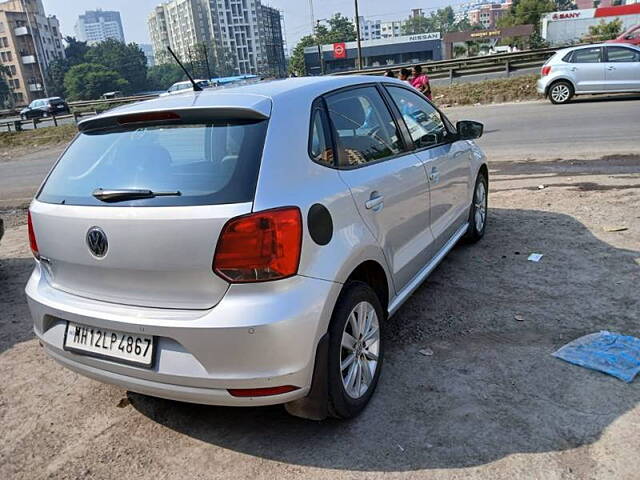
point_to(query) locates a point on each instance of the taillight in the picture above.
(32, 237)
(546, 70)
(261, 392)
(260, 247)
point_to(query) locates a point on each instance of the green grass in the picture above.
(488, 91)
(38, 137)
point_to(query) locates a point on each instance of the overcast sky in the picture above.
(296, 13)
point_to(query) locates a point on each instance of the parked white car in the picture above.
(181, 87)
(600, 68)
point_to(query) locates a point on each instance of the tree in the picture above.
(339, 29)
(416, 25)
(525, 12)
(75, 51)
(88, 81)
(161, 77)
(6, 93)
(604, 31)
(56, 71)
(128, 61)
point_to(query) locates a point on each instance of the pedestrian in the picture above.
(405, 75)
(389, 73)
(420, 82)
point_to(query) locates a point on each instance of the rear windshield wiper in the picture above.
(121, 195)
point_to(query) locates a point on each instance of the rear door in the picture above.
(622, 69)
(388, 183)
(155, 252)
(447, 162)
(587, 69)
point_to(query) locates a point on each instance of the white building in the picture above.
(96, 26)
(391, 29)
(370, 29)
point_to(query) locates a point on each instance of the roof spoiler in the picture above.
(118, 118)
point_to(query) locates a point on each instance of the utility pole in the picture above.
(319, 48)
(359, 60)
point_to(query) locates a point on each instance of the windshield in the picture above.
(213, 163)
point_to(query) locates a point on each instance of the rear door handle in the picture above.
(375, 202)
(611, 68)
(573, 69)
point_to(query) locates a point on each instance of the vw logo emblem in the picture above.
(97, 242)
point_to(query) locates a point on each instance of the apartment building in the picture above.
(370, 29)
(96, 26)
(273, 40)
(29, 41)
(250, 31)
(488, 14)
(391, 29)
(179, 24)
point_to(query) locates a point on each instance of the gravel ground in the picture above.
(490, 403)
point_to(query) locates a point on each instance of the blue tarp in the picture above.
(612, 353)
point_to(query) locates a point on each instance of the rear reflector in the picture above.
(32, 237)
(260, 247)
(261, 392)
(546, 70)
(148, 117)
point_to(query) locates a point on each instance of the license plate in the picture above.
(122, 347)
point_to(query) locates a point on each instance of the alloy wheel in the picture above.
(480, 203)
(560, 93)
(360, 350)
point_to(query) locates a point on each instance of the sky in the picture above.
(296, 13)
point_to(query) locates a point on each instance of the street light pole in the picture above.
(359, 60)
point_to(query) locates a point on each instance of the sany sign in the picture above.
(339, 50)
(565, 15)
(570, 15)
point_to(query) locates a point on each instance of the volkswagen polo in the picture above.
(246, 247)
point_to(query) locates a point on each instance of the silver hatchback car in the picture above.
(246, 246)
(600, 68)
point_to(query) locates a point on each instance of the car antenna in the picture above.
(196, 87)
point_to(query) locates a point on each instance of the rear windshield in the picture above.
(209, 164)
(55, 101)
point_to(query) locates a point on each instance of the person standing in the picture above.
(420, 82)
(389, 73)
(405, 75)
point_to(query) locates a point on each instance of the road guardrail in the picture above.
(506, 62)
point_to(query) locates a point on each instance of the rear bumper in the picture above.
(259, 335)
(541, 86)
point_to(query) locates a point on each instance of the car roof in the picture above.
(594, 45)
(248, 96)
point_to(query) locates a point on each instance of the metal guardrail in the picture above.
(507, 62)
(17, 125)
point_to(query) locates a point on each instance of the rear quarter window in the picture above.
(209, 164)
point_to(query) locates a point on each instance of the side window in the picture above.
(320, 149)
(587, 55)
(424, 122)
(621, 54)
(366, 131)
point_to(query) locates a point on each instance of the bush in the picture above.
(88, 81)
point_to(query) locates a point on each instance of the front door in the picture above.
(622, 69)
(447, 162)
(388, 183)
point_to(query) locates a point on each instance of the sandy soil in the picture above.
(490, 403)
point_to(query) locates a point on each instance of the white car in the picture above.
(181, 87)
(590, 69)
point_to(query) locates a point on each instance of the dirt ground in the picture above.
(491, 403)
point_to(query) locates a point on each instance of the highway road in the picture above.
(589, 128)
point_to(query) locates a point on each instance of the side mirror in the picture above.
(469, 130)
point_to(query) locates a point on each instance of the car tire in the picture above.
(560, 92)
(351, 387)
(479, 210)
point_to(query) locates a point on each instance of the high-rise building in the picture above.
(272, 38)
(99, 25)
(147, 49)
(250, 32)
(29, 41)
